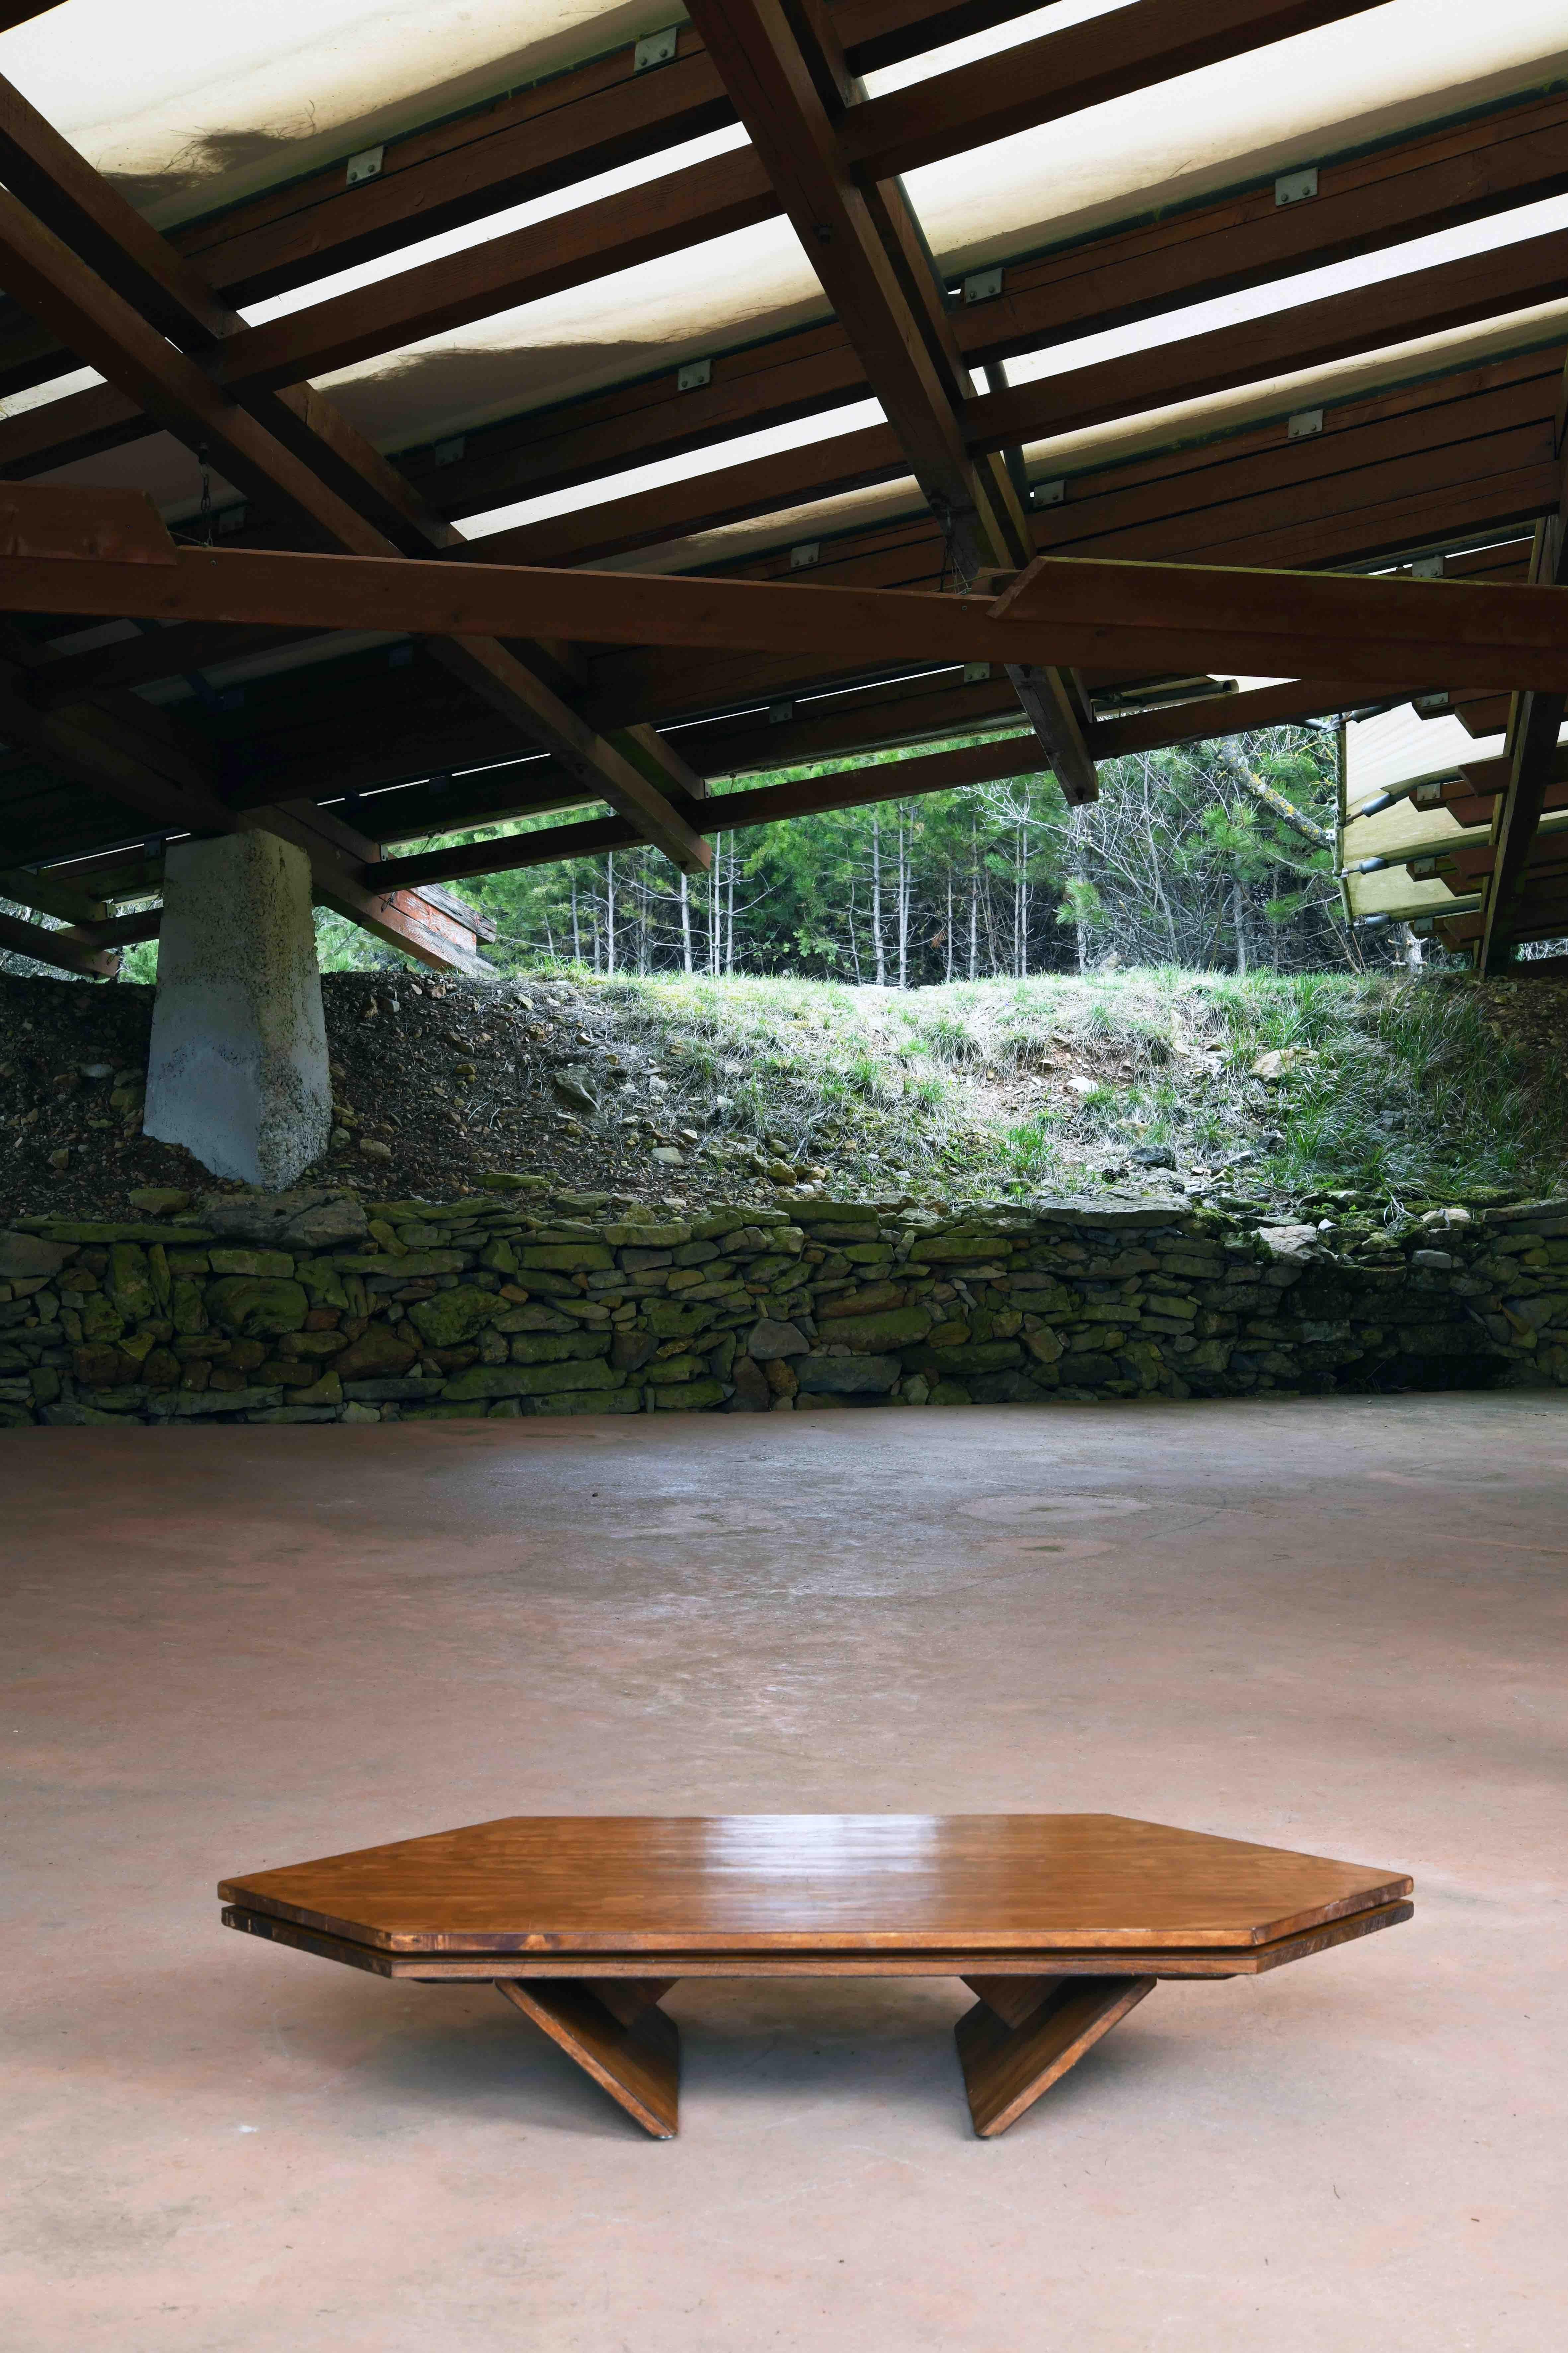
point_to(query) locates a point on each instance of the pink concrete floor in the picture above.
(1334, 1625)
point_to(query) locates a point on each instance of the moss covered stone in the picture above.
(256, 1307)
(377, 1354)
(897, 1327)
(271, 1263)
(453, 1316)
(131, 1283)
(846, 1376)
(567, 1257)
(532, 1380)
(558, 1347)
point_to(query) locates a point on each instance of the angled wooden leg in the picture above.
(1024, 2032)
(615, 2030)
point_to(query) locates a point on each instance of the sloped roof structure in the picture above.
(550, 407)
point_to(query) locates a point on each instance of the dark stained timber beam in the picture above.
(302, 468)
(685, 208)
(992, 760)
(1425, 455)
(1535, 721)
(1064, 73)
(1427, 182)
(643, 224)
(68, 951)
(795, 93)
(892, 780)
(1139, 619)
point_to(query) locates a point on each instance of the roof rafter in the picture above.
(100, 323)
(793, 90)
(1156, 618)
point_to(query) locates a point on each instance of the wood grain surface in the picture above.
(1007, 2064)
(823, 1883)
(884, 1961)
(637, 2060)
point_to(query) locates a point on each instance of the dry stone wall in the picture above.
(319, 1308)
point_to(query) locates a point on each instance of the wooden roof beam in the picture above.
(103, 326)
(793, 90)
(1422, 183)
(953, 770)
(1061, 73)
(1535, 722)
(1147, 619)
(68, 951)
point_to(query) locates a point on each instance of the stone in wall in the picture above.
(318, 1307)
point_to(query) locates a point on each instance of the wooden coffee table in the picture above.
(1059, 1923)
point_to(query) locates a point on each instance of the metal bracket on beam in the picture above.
(1296, 188)
(694, 376)
(366, 165)
(655, 50)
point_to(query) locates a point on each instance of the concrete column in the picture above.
(238, 1070)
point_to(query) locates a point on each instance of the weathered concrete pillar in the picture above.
(238, 1070)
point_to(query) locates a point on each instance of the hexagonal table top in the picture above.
(796, 1884)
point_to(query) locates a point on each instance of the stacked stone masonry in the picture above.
(319, 1308)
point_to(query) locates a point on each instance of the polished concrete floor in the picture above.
(1338, 1625)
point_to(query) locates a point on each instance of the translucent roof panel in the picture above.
(188, 106)
(1407, 61)
(1399, 747)
(1364, 79)
(1391, 749)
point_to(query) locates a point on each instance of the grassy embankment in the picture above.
(1423, 1087)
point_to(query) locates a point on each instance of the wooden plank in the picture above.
(1062, 73)
(1426, 182)
(98, 323)
(1188, 1967)
(985, 761)
(1433, 301)
(1014, 1998)
(1535, 721)
(67, 951)
(793, 92)
(620, 232)
(639, 2064)
(1105, 392)
(1146, 619)
(783, 1883)
(1007, 2067)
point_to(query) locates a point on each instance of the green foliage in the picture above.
(1001, 879)
(1394, 1082)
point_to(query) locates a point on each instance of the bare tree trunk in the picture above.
(877, 939)
(973, 902)
(947, 976)
(1080, 943)
(1238, 925)
(715, 889)
(610, 915)
(1415, 955)
(685, 926)
(854, 942)
(903, 904)
(576, 931)
(730, 952)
